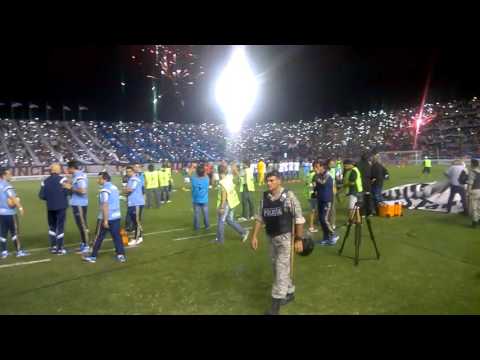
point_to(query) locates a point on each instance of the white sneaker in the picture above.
(313, 230)
(334, 239)
(132, 243)
(245, 237)
(169, 201)
(140, 240)
(242, 219)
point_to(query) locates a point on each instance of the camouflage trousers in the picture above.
(281, 252)
(475, 204)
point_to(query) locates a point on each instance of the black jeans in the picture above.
(367, 208)
(377, 195)
(324, 209)
(457, 190)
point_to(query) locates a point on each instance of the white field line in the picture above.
(109, 239)
(111, 250)
(193, 237)
(147, 234)
(24, 263)
(199, 236)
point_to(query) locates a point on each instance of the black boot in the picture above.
(289, 298)
(275, 309)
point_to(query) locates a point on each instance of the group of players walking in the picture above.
(59, 192)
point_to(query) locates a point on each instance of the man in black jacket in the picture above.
(379, 174)
(54, 192)
(365, 167)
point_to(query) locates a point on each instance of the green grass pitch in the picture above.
(430, 264)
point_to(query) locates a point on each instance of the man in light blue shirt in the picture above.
(200, 183)
(140, 174)
(79, 202)
(108, 218)
(135, 203)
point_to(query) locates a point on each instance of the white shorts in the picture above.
(187, 180)
(216, 177)
(352, 200)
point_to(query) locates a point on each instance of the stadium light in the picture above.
(236, 89)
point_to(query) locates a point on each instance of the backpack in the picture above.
(463, 178)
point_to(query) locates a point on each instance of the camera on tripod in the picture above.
(359, 212)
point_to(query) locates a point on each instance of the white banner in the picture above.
(424, 196)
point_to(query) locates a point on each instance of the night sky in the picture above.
(298, 82)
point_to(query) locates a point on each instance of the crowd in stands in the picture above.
(455, 132)
(451, 130)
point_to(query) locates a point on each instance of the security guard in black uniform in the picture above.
(54, 192)
(280, 211)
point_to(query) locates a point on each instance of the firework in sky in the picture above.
(177, 64)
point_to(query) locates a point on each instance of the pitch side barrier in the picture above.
(438, 161)
(39, 172)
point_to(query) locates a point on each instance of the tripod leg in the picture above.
(370, 230)
(358, 236)
(345, 238)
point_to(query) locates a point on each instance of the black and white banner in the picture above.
(424, 196)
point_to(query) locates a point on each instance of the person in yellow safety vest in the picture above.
(261, 172)
(332, 171)
(163, 180)
(352, 181)
(152, 187)
(427, 165)
(247, 187)
(227, 201)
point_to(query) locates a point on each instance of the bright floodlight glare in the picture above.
(236, 89)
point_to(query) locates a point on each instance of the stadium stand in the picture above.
(452, 130)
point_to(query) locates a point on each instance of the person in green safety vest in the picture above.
(247, 188)
(427, 165)
(152, 187)
(309, 193)
(163, 180)
(227, 201)
(352, 181)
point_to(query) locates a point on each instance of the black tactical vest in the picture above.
(277, 220)
(476, 181)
